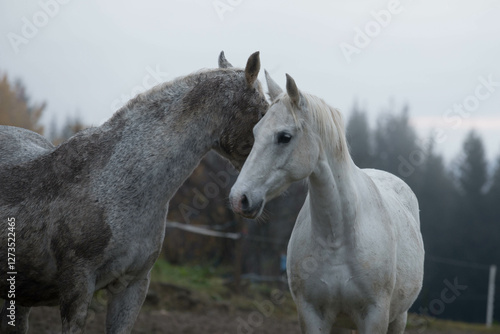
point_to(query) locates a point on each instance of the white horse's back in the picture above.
(395, 189)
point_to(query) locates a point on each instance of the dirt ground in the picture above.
(45, 320)
(173, 310)
(187, 313)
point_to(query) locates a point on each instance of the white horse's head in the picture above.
(289, 140)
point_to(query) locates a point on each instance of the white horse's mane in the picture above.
(328, 121)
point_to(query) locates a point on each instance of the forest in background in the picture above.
(459, 203)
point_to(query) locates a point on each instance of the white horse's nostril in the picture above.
(244, 202)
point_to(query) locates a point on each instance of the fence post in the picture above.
(237, 256)
(491, 296)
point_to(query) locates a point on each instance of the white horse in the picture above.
(355, 257)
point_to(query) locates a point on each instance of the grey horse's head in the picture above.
(246, 105)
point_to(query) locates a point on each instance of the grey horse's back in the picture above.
(18, 145)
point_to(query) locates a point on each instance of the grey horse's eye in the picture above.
(284, 138)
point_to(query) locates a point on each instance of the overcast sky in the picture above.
(442, 58)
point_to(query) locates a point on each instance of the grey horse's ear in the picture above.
(252, 69)
(223, 63)
(273, 89)
(292, 90)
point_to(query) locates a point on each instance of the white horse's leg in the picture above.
(124, 306)
(375, 322)
(21, 321)
(336, 330)
(398, 325)
(311, 322)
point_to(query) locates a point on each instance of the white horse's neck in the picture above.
(333, 199)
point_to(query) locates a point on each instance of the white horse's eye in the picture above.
(284, 138)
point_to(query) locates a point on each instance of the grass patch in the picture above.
(209, 283)
(198, 278)
(416, 321)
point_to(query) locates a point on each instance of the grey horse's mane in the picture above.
(167, 90)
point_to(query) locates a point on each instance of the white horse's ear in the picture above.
(273, 89)
(292, 90)
(252, 69)
(223, 63)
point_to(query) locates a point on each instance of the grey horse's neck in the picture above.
(158, 139)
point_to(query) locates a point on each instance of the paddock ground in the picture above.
(171, 309)
(194, 299)
(46, 320)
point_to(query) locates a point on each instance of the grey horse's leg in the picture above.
(124, 306)
(398, 325)
(20, 322)
(75, 300)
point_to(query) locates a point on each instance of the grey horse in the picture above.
(90, 213)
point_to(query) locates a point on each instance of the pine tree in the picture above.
(494, 190)
(358, 136)
(470, 210)
(472, 171)
(493, 203)
(396, 149)
(436, 195)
